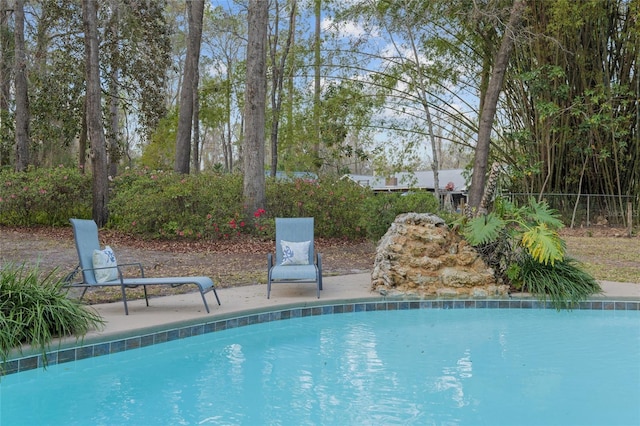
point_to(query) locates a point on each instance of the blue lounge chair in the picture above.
(295, 259)
(85, 233)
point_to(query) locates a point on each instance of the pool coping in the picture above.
(71, 349)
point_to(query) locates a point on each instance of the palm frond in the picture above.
(542, 213)
(543, 244)
(483, 229)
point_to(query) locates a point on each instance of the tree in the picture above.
(416, 74)
(424, 69)
(195, 12)
(112, 30)
(346, 111)
(317, 62)
(56, 82)
(21, 91)
(572, 103)
(6, 136)
(98, 153)
(255, 104)
(490, 103)
(224, 35)
(135, 60)
(277, 78)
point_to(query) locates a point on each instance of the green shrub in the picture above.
(335, 204)
(381, 210)
(44, 196)
(208, 205)
(172, 205)
(34, 310)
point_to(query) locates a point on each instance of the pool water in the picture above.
(423, 367)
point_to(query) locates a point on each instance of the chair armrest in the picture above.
(71, 275)
(119, 267)
(136, 264)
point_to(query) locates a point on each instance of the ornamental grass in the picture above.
(35, 310)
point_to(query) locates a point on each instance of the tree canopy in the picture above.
(363, 87)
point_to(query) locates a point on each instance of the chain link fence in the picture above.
(579, 210)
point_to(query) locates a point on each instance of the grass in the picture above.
(607, 258)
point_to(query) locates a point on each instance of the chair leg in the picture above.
(215, 293)
(146, 297)
(206, 306)
(124, 300)
(269, 265)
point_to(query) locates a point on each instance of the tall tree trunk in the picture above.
(113, 151)
(195, 154)
(195, 11)
(83, 139)
(5, 84)
(255, 104)
(490, 103)
(278, 70)
(317, 61)
(22, 98)
(422, 92)
(228, 144)
(95, 128)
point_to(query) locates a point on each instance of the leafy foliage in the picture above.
(571, 122)
(565, 283)
(334, 203)
(533, 227)
(160, 152)
(44, 196)
(159, 204)
(543, 244)
(484, 229)
(523, 246)
(171, 205)
(380, 210)
(35, 309)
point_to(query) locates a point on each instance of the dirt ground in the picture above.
(607, 253)
(240, 262)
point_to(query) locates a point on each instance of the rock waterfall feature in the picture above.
(420, 256)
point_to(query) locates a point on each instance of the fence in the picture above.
(590, 209)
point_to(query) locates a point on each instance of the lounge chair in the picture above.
(111, 274)
(295, 258)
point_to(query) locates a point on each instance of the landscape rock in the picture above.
(420, 256)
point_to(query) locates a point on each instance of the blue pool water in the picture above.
(423, 367)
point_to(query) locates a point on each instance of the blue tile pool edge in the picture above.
(82, 351)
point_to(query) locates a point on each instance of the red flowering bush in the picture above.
(263, 226)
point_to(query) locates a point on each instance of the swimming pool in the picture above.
(427, 366)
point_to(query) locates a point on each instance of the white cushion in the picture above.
(105, 259)
(295, 253)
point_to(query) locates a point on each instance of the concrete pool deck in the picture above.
(177, 316)
(178, 310)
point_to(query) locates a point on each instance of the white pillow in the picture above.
(105, 259)
(295, 253)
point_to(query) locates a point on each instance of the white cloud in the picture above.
(347, 29)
